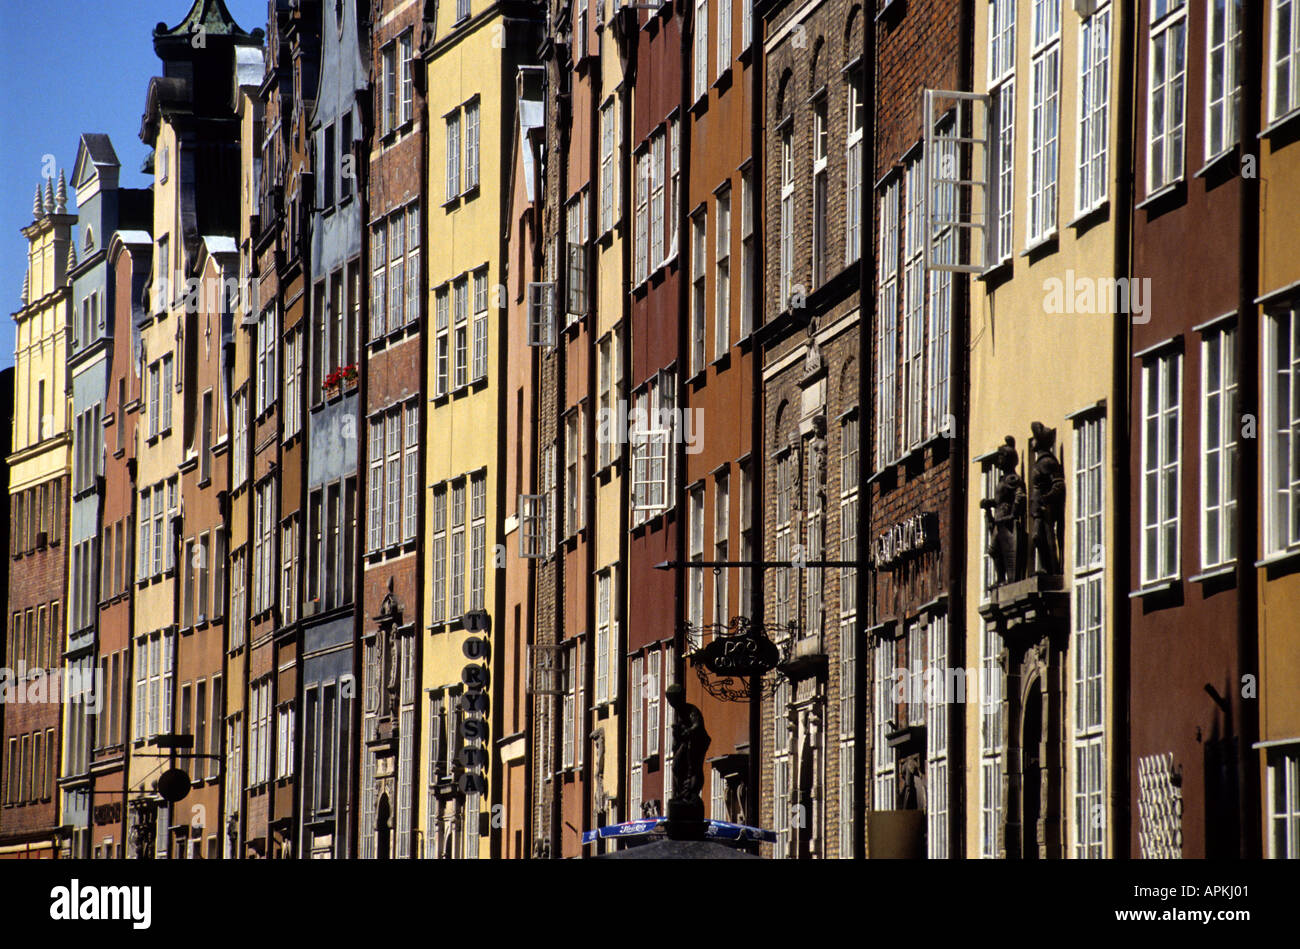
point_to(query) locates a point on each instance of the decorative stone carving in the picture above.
(1046, 501)
(1004, 513)
(388, 618)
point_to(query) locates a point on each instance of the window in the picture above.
(408, 84)
(607, 651)
(849, 478)
(887, 329)
(991, 744)
(457, 550)
(284, 731)
(462, 10)
(695, 577)
(883, 796)
(819, 178)
(238, 599)
(1094, 105)
(259, 733)
(1161, 473)
(264, 520)
(378, 283)
(944, 205)
(748, 249)
(721, 545)
(292, 383)
(1166, 72)
(1089, 721)
(746, 23)
(657, 199)
(574, 473)
(154, 404)
(154, 684)
(471, 145)
(288, 570)
(786, 580)
(266, 362)
(724, 36)
(641, 217)
(460, 333)
(1002, 126)
(936, 741)
(674, 180)
(410, 471)
(443, 357)
(1044, 118)
(569, 711)
(396, 271)
(914, 304)
(607, 182)
(652, 704)
(1283, 803)
(576, 243)
(787, 216)
(782, 772)
(636, 735)
(388, 89)
(392, 477)
(609, 392)
(477, 540)
(326, 171)
(1223, 39)
(700, 26)
(438, 518)
(453, 156)
(746, 537)
(413, 296)
(651, 438)
(1219, 448)
(1284, 57)
(1281, 431)
(347, 173)
(1089, 493)
(698, 254)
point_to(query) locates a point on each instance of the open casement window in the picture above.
(546, 669)
(576, 221)
(541, 314)
(650, 466)
(957, 193)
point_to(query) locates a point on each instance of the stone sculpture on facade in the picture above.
(1004, 513)
(1046, 501)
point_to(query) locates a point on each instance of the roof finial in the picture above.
(61, 196)
(27, 286)
(38, 208)
(72, 255)
(49, 196)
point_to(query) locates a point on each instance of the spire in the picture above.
(61, 196)
(49, 196)
(72, 254)
(27, 285)
(38, 207)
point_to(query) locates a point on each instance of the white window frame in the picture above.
(1226, 47)
(1219, 445)
(722, 273)
(1161, 461)
(1281, 434)
(1283, 67)
(1093, 186)
(700, 57)
(1044, 122)
(887, 327)
(1168, 24)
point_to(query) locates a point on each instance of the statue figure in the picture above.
(735, 799)
(388, 619)
(599, 797)
(812, 360)
(690, 744)
(1046, 501)
(817, 463)
(1004, 512)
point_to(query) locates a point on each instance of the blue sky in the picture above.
(73, 66)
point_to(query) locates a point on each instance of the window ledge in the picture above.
(997, 271)
(1214, 573)
(1161, 192)
(1155, 589)
(1281, 557)
(1214, 161)
(1279, 123)
(1085, 218)
(1041, 244)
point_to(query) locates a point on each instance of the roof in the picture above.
(211, 16)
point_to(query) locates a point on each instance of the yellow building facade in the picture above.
(1051, 206)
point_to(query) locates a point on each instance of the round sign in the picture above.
(744, 655)
(173, 785)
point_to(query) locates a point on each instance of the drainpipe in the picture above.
(687, 20)
(590, 448)
(757, 127)
(1246, 712)
(624, 342)
(1120, 423)
(958, 480)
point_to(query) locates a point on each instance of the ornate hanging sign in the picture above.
(731, 665)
